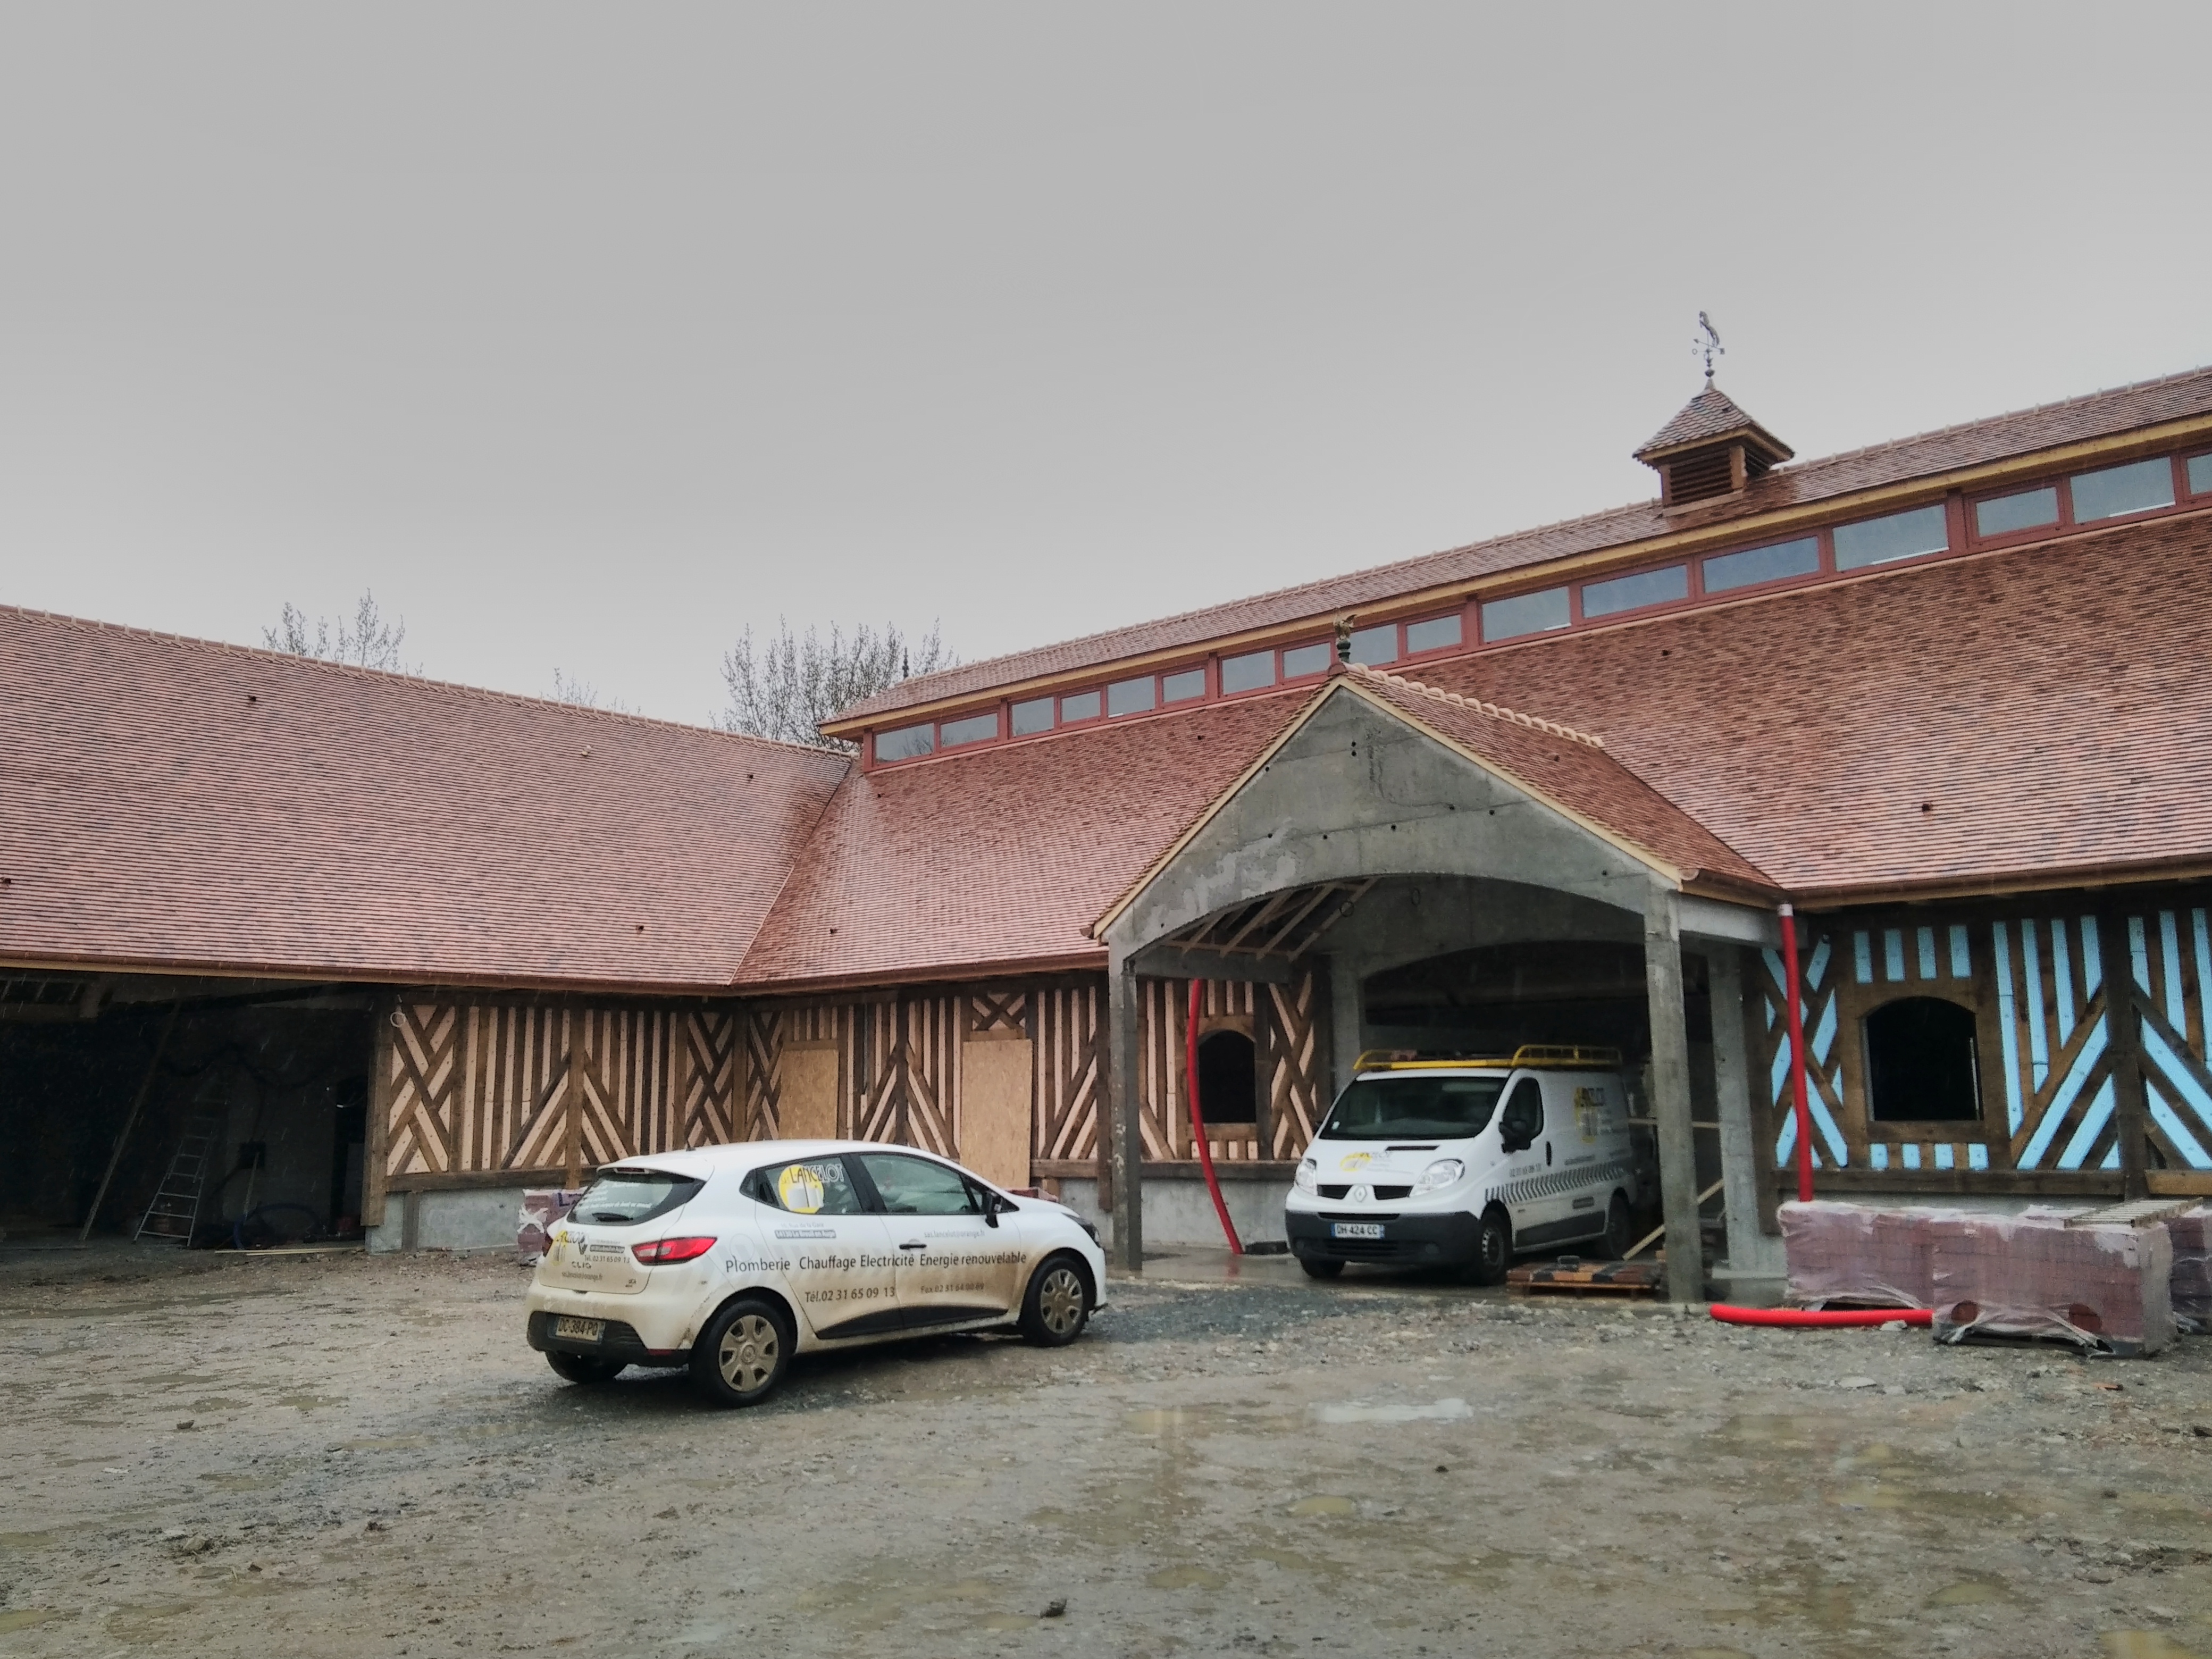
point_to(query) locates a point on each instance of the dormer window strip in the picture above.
(1960, 523)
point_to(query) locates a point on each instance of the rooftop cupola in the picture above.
(1710, 449)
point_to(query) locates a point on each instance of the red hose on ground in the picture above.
(1795, 999)
(1817, 1316)
(1197, 1116)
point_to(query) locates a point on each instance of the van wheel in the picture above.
(1057, 1304)
(1493, 1248)
(741, 1357)
(1619, 1234)
(1319, 1267)
(584, 1367)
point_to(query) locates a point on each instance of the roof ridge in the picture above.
(229, 648)
(1496, 711)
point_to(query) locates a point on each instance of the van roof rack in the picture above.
(1541, 1054)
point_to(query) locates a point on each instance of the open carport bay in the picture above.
(344, 1455)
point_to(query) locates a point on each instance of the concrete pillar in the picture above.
(1125, 1124)
(1750, 1251)
(1670, 1095)
(1348, 1025)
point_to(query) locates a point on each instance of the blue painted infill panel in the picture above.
(1877, 1155)
(2039, 1144)
(2007, 1026)
(1926, 940)
(2192, 1150)
(2203, 961)
(2076, 1154)
(1774, 959)
(2169, 936)
(1962, 956)
(2139, 951)
(2092, 957)
(1945, 1157)
(1977, 1157)
(1822, 1041)
(1816, 967)
(2061, 974)
(2031, 974)
(1910, 1149)
(1824, 1120)
(2168, 1073)
(1785, 1144)
(1863, 956)
(1893, 954)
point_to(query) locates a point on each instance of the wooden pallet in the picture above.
(1599, 1279)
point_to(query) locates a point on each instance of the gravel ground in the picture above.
(336, 1456)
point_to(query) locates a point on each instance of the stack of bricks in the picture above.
(1852, 1254)
(2103, 1287)
(2192, 1238)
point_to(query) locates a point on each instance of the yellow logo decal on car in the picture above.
(801, 1189)
(1356, 1160)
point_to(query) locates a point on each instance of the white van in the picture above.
(1463, 1161)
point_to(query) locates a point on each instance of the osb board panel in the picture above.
(809, 1104)
(995, 1111)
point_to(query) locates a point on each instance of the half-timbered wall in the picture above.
(479, 1091)
(2034, 977)
(1288, 1025)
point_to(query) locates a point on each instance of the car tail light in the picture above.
(663, 1251)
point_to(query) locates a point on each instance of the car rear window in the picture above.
(1413, 1107)
(622, 1198)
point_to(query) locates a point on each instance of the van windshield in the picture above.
(1414, 1106)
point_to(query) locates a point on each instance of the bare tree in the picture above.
(370, 641)
(582, 694)
(786, 686)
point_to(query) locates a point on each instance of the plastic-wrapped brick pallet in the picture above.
(2104, 1288)
(2191, 1237)
(544, 1208)
(1856, 1253)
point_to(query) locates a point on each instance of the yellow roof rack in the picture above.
(1541, 1054)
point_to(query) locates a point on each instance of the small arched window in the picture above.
(1228, 1081)
(1921, 1063)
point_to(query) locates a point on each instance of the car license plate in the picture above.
(1355, 1230)
(582, 1330)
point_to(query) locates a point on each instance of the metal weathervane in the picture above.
(1710, 347)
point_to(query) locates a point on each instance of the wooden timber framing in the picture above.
(2073, 1103)
(473, 1089)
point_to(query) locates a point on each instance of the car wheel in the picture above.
(1057, 1304)
(1320, 1266)
(1619, 1234)
(1493, 1248)
(584, 1367)
(739, 1360)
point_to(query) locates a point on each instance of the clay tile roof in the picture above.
(1928, 454)
(1002, 855)
(175, 803)
(1707, 417)
(1573, 770)
(2042, 715)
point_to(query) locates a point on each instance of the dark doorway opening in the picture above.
(1922, 1066)
(1228, 1079)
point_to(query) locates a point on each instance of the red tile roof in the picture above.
(1712, 414)
(2021, 716)
(1002, 855)
(172, 802)
(2100, 415)
(1573, 770)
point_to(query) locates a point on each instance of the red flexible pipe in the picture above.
(1801, 1316)
(1197, 1116)
(1795, 999)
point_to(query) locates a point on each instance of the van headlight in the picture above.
(1304, 1180)
(1440, 1174)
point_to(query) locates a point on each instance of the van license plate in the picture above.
(1355, 1230)
(582, 1330)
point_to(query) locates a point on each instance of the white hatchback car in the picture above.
(728, 1260)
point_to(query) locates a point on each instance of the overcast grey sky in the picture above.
(587, 335)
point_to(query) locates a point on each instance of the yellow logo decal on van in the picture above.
(1356, 1160)
(1589, 1113)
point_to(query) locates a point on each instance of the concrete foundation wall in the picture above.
(480, 1219)
(1178, 1210)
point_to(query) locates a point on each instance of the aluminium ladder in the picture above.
(175, 1210)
